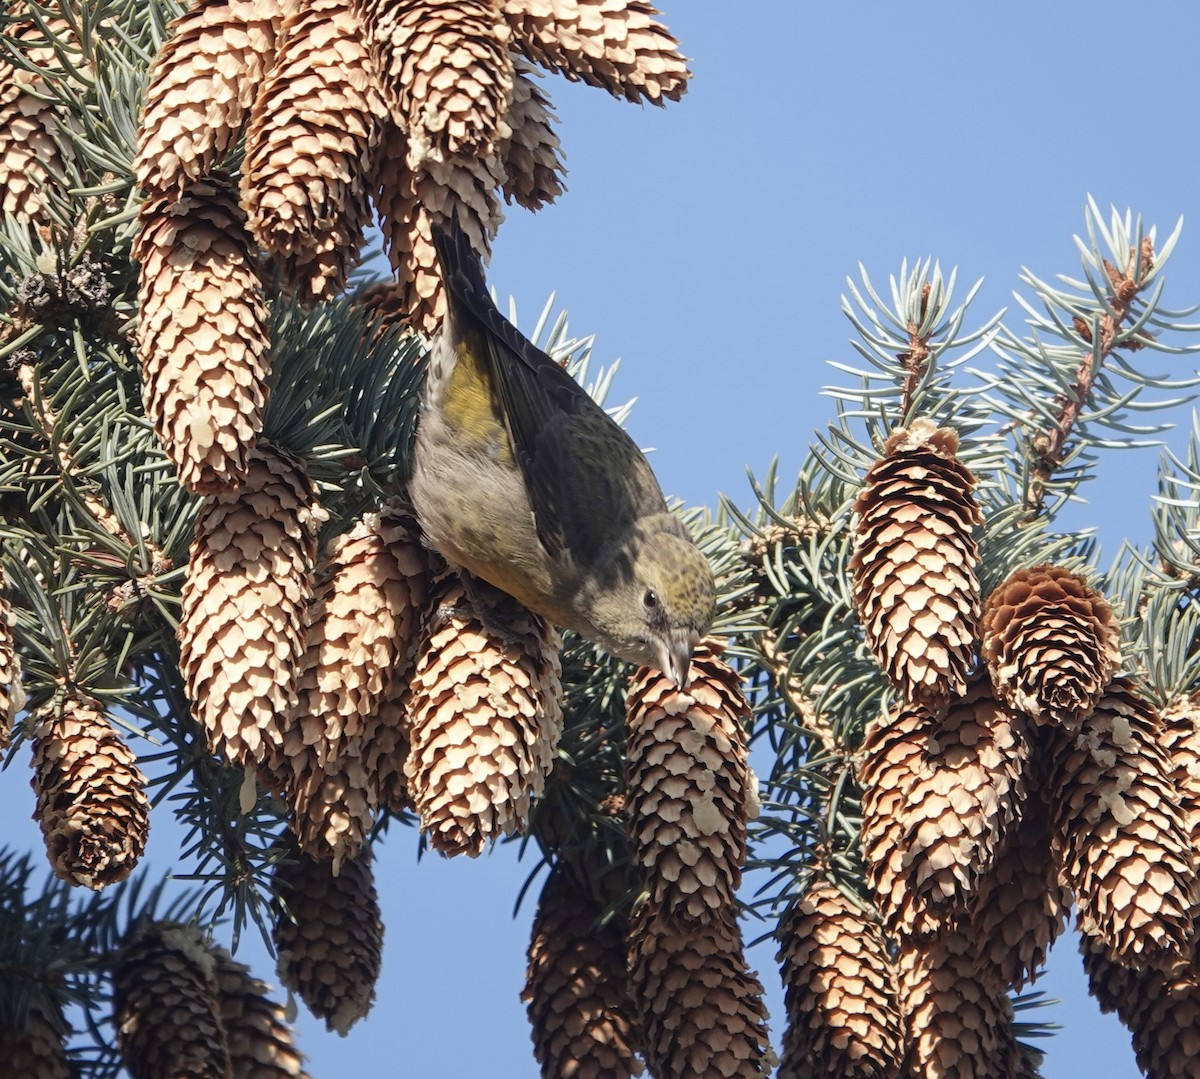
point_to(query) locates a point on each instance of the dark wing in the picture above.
(586, 478)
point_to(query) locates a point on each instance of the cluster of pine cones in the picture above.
(991, 801)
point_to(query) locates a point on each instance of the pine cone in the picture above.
(915, 586)
(241, 635)
(91, 801)
(35, 1049)
(446, 73)
(839, 990)
(329, 936)
(1163, 1014)
(312, 133)
(261, 1044)
(575, 989)
(700, 1007)
(12, 695)
(411, 201)
(616, 45)
(31, 153)
(939, 796)
(533, 168)
(1051, 643)
(686, 782)
(1181, 742)
(202, 84)
(1120, 838)
(486, 712)
(202, 334)
(1020, 906)
(346, 746)
(957, 1024)
(165, 1005)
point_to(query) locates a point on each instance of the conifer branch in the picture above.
(1052, 445)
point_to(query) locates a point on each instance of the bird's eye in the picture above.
(650, 599)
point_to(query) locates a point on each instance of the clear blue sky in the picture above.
(707, 246)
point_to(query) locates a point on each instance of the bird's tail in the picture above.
(462, 270)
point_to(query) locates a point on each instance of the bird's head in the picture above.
(657, 601)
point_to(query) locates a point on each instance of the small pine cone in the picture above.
(940, 793)
(165, 1005)
(261, 1044)
(309, 145)
(35, 1049)
(686, 780)
(241, 629)
(486, 714)
(12, 696)
(616, 45)
(915, 586)
(31, 154)
(1119, 835)
(202, 335)
(699, 1005)
(411, 201)
(533, 168)
(91, 801)
(329, 936)
(446, 72)
(1020, 906)
(1051, 643)
(575, 990)
(957, 1024)
(202, 85)
(839, 990)
(361, 633)
(1163, 1014)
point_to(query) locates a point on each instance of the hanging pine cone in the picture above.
(616, 45)
(202, 334)
(1163, 1014)
(241, 633)
(31, 153)
(578, 1002)
(533, 169)
(309, 146)
(91, 801)
(839, 990)
(329, 936)
(957, 1024)
(346, 746)
(1120, 838)
(700, 1007)
(1051, 643)
(261, 1044)
(940, 793)
(33, 1048)
(1020, 906)
(165, 1005)
(12, 696)
(202, 84)
(361, 632)
(486, 712)
(915, 586)
(687, 782)
(446, 73)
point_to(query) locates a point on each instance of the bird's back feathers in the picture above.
(586, 478)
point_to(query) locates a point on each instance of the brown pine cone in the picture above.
(915, 586)
(1051, 643)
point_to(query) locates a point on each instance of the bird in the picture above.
(520, 478)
